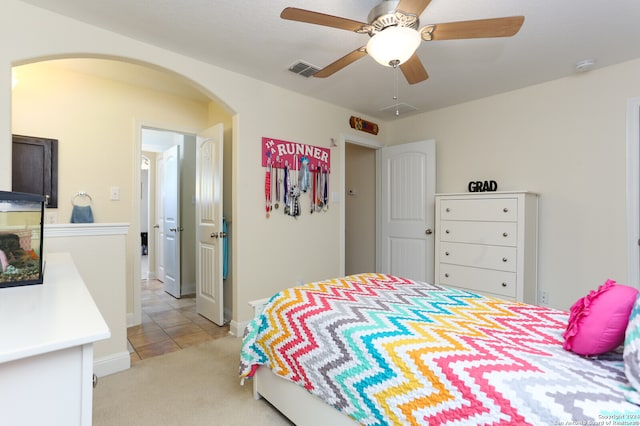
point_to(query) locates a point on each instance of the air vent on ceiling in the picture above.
(304, 69)
(398, 109)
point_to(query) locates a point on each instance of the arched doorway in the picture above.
(97, 154)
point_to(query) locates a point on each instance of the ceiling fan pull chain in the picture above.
(395, 86)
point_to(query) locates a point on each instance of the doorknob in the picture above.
(428, 231)
(218, 234)
(172, 229)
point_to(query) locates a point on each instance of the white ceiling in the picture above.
(249, 37)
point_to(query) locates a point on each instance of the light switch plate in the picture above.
(115, 193)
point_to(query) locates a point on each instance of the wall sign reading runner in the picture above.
(291, 170)
(278, 152)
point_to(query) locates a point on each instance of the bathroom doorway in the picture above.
(145, 171)
(170, 256)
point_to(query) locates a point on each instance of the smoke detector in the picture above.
(585, 65)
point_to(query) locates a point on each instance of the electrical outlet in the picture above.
(543, 297)
(50, 217)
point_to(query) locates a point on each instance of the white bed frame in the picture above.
(292, 400)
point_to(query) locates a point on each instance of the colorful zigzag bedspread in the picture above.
(386, 350)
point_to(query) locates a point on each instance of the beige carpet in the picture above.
(195, 386)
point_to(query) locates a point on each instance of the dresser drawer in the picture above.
(493, 233)
(489, 209)
(478, 280)
(483, 256)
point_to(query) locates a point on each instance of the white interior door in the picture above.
(158, 228)
(209, 233)
(406, 210)
(171, 222)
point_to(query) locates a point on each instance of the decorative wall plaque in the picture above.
(363, 125)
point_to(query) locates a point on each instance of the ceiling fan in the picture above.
(393, 28)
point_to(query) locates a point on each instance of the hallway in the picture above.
(168, 324)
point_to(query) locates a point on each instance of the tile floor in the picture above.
(168, 324)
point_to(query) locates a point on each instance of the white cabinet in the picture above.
(487, 243)
(46, 349)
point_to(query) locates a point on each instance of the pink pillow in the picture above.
(598, 321)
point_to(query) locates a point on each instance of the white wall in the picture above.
(90, 246)
(262, 257)
(188, 214)
(360, 209)
(152, 256)
(565, 140)
(144, 200)
(94, 120)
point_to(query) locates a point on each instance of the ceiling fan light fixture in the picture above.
(393, 45)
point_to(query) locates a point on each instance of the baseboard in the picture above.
(237, 328)
(187, 288)
(111, 364)
(227, 315)
(131, 320)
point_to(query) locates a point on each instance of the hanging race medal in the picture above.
(277, 183)
(267, 190)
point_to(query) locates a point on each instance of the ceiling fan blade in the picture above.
(413, 70)
(415, 7)
(302, 15)
(481, 28)
(336, 66)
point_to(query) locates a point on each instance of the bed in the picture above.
(378, 349)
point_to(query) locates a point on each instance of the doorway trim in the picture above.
(633, 192)
(341, 197)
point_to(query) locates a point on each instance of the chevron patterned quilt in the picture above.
(386, 350)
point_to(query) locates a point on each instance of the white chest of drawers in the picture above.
(46, 348)
(487, 243)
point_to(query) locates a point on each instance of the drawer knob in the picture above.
(446, 253)
(504, 259)
(506, 210)
(447, 210)
(446, 275)
(504, 234)
(446, 231)
(504, 284)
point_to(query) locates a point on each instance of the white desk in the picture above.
(46, 348)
